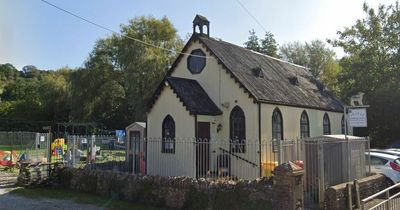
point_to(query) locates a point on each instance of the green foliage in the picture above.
(314, 55)
(112, 88)
(32, 96)
(372, 66)
(120, 74)
(252, 42)
(7, 73)
(317, 57)
(384, 113)
(267, 46)
(373, 48)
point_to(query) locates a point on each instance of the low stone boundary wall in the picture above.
(336, 198)
(110, 165)
(173, 192)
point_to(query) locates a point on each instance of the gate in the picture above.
(331, 160)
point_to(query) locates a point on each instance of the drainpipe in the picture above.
(145, 141)
(259, 138)
(194, 147)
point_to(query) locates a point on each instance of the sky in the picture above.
(34, 33)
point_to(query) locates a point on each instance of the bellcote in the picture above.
(198, 25)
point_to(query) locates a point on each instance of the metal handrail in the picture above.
(388, 197)
(385, 201)
(380, 193)
(245, 160)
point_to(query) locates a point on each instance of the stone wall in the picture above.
(336, 196)
(173, 192)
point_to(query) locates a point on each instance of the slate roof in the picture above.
(192, 95)
(282, 82)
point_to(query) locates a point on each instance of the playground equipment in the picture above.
(8, 158)
(58, 150)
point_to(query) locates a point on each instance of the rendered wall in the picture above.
(181, 162)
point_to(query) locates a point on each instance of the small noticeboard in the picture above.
(358, 117)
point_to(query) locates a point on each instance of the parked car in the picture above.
(386, 164)
(395, 152)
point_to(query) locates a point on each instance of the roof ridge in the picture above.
(307, 94)
(255, 52)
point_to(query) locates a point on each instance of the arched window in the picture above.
(327, 125)
(304, 125)
(237, 124)
(277, 125)
(343, 125)
(168, 135)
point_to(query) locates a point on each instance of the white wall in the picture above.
(221, 88)
(291, 121)
(182, 161)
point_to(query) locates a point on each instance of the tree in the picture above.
(252, 42)
(269, 46)
(295, 52)
(372, 46)
(316, 56)
(54, 94)
(30, 71)
(8, 73)
(372, 66)
(121, 74)
(144, 66)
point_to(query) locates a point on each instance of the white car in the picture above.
(386, 164)
(395, 152)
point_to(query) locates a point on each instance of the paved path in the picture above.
(14, 202)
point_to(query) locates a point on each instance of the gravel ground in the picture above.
(14, 202)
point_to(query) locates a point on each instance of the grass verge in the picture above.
(79, 197)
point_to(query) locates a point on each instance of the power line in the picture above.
(110, 30)
(251, 15)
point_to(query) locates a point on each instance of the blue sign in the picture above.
(120, 135)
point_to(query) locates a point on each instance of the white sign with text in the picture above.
(358, 117)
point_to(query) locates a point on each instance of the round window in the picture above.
(196, 61)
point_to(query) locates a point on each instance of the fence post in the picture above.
(357, 190)
(73, 151)
(11, 144)
(280, 157)
(48, 146)
(349, 197)
(92, 148)
(321, 172)
(369, 155)
(387, 199)
(37, 142)
(348, 159)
